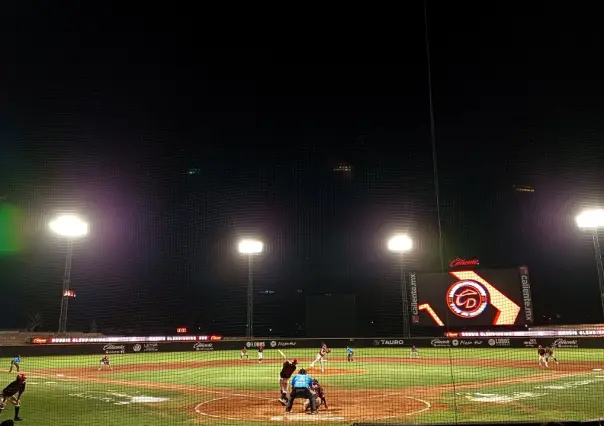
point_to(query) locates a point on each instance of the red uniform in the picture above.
(260, 350)
(319, 396)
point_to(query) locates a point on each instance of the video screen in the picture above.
(471, 298)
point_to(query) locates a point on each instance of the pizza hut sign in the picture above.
(114, 349)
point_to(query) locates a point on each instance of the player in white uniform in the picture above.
(321, 357)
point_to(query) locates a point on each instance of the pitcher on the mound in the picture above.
(260, 353)
(542, 357)
(321, 357)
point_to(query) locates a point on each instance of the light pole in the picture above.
(250, 248)
(592, 220)
(402, 244)
(69, 227)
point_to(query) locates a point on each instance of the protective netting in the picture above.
(242, 382)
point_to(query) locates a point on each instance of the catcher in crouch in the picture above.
(319, 396)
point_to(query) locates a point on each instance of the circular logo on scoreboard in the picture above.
(273, 344)
(137, 348)
(467, 299)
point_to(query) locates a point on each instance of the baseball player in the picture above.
(301, 388)
(414, 352)
(244, 353)
(349, 353)
(260, 352)
(542, 357)
(319, 396)
(549, 353)
(286, 372)
(16, 362)
(321, 357)
(105, 363)
(12, 393)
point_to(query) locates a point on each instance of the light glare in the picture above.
(400, 243)
(250, 246)
(591, 219)
(69, 226)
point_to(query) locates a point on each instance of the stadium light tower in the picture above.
(592, 220)
(402, 244)
(70, 227)
(250, 248)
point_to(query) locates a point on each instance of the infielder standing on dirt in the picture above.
(16, 362)
(349, 353)
(301, 388)
(12, 393)
(549, 353)
(414, 352)
(286, 372)
(105, 363)
(260, 351)
(542, 357)
(321, 357)
(244, 353)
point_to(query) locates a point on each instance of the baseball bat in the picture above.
(282, 354)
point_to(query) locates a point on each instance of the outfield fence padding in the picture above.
(144, 347)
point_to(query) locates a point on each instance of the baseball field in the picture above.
(382, 385)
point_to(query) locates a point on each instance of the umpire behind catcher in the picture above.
(301, 388)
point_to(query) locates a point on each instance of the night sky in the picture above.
(174, 148)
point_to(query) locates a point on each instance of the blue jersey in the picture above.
(17, 360)
(301, 381)
(349, 350)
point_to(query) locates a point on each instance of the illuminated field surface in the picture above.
(382, 384)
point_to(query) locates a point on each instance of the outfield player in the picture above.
(286, 372)
(549, 353)
(244, 353)
(260, 352)
(349, 353)
(301, 388)
(319, 396)
(542, 357)
(12, 393)
(105, 363)
(321, 357)
(16, 362)
(414, 352)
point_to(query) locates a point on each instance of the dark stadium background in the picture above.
(174, 150)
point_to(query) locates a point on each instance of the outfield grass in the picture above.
(446, 385)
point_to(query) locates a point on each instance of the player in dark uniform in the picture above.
(105, 363)
(16, 362)
(319, 395)
(244, 353)
(12, 393)
(549, 353)
(542, 357)
(301, 388)
(260, 353)
(286, 372)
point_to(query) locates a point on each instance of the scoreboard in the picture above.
(466, 297)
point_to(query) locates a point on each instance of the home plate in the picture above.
(306, 418)
(597, 369)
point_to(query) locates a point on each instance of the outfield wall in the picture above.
(285, 344)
